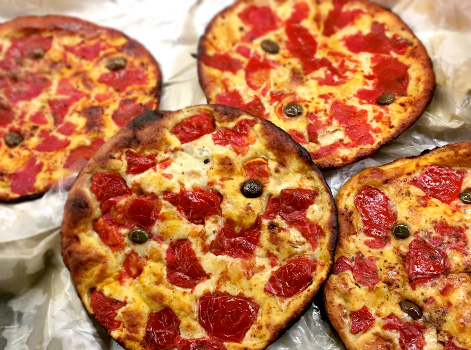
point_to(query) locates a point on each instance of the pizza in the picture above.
(341, 77)
(66, 86)
(204, 228)
(401, 278)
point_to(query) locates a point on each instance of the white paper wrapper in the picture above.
(39, 307)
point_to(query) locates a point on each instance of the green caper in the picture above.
(116, 63)
(401, 231)
(386, 99)
(252, 189)
(411, 309)
(37, 54)
(13, 139)
(293, 110)
(465, 196)
(270, 46)
(139, 235)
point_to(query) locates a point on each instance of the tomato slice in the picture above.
(199, 344)
(194, 127)
(183, 267)
(411, 334)
(108, 185)
(441, 183)
(104, 309)
(162, 329)
(362, 320)
(138, 163)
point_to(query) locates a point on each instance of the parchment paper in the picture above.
(39, 307)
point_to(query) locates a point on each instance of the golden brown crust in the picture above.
(150, 133)
(408, 110)
(65, 30)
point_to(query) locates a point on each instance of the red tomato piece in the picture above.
(127, 110)
(235, 244)
(257, 72)
(27, 88)
(342, 264)
(451, 344)
(292, 278)
(132, 266)
(108, 185)
(196, 205)
(162, 329)
(365, 270)
(227, 317)
(257, 169)
(222, 62)
(411, 334)
(121, 79)
(440, 182)
(26, 47)
(338, 19)
(108, 231)
(377, 214)
(237, 137)
(354, 121)
(450, 237)
(104, 309)
(6, 117)
(298, 136)
(423, 262)
(261, 19)
(183, 267)
(138, 163)
(51, 143)
(79, 156)
(234, 99)
(24, 178)
(362, 320)
(86, 51)
(199, 344)
(66, 129)
(194, 127)
(38, 118)
(60, 107)
(143, 211)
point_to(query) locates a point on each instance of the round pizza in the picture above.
(341, 77)
(401, 278)
(205, 228)
(66, 86)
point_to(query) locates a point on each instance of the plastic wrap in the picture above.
(39, 306)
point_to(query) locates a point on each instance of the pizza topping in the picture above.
(132, 265)
(128, 110)
(411, 334)
(451, 344)
(362, 320)
(24, 178)
(449, 237)
(27, 88)
(28, 47)
(143, 211)
(227, 317)
(199, 344)
(222, 62)
(292, 278)
(13, 139)
(465, 196)
(354, 121)
(365, 270)
(6, 117)
(252, 189)
(183, 267)
(108, 185)
(138, 163)
(401, 231)
(440, 182)
(116, 63)
(411, 309)
(423, 262)
(237, 137)
(293, 110)
(338, 19)
(86, 51)
(257, 169)
(386, 99)
(235, 244)
(109, 232)
(37, 54)
(138, 235)
(162, 329)
(194, 127)
(51, 143)
(78, 157)
(376, 215)
(196, 205)
(121, 79)
(262, 20)
(257, 72)
(105, 309)
(270, 46)
(60, 108)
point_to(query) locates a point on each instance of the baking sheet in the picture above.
(39, 308)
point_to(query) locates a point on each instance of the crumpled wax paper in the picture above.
(39, 307)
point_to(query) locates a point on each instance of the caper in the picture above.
(252, 189)
(37, 54)
(411, 309)
(386, 99)
(139, 235)
(271, 225)
(293, 110)
(465, 196)
(116, 63)
(401, 231)
(13, 139)
(270, 46)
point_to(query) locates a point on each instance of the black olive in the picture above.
(252, 189)
(271, 225)
(465, 196)
(401, 231)
(270, 46)
(206, 161)
(37, 54)
(386, 99)
(13, 139)
(116, 63)
(139, 235)
(293, 110)
(411, 309)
